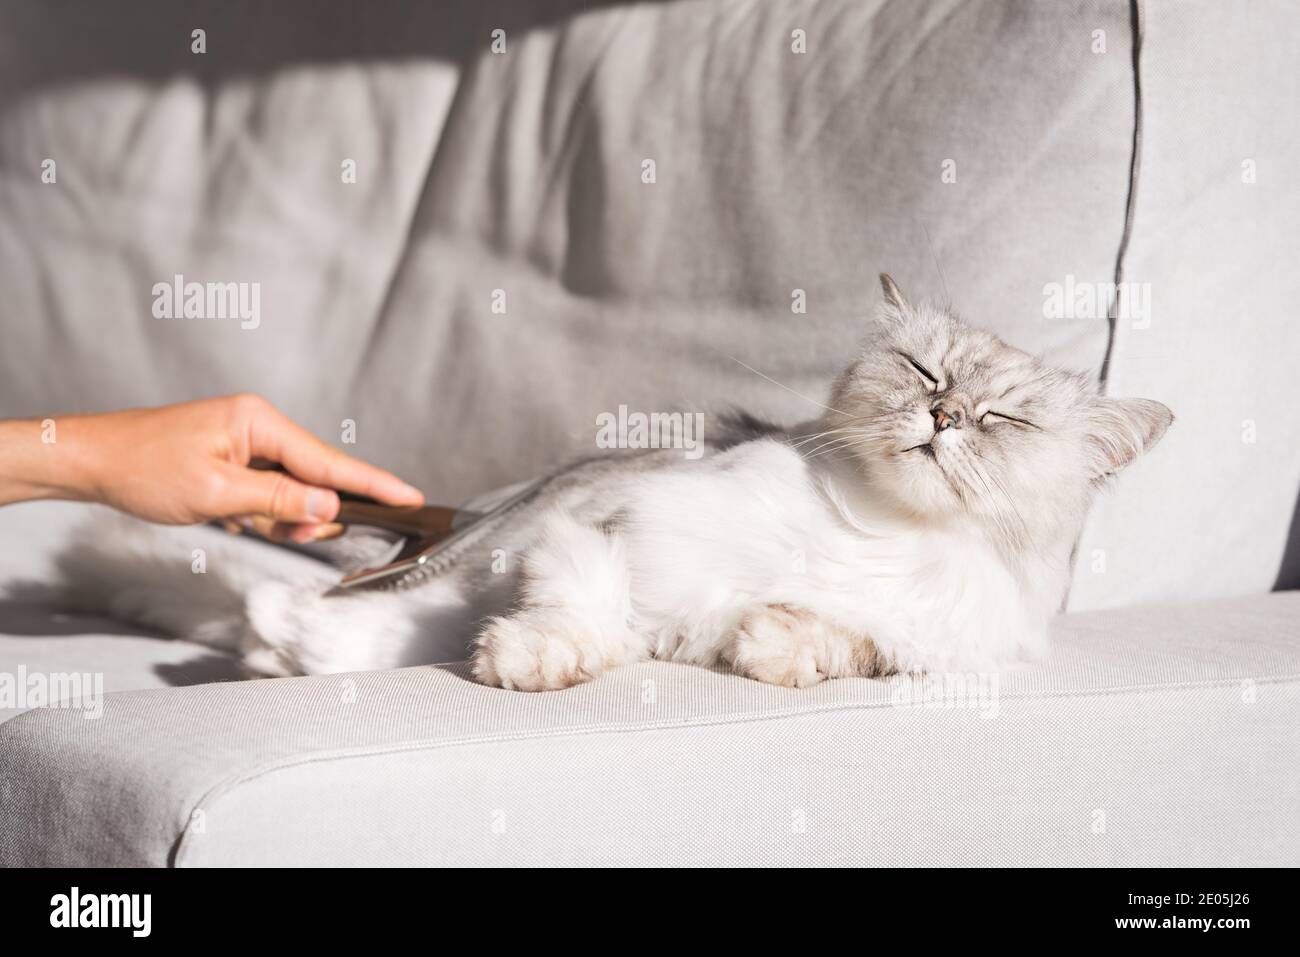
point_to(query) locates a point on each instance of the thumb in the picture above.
(275, 494)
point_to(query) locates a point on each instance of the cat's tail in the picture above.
(187, 582)
(243, 596)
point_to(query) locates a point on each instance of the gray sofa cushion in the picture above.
(86, 658)
(775, 171)
(1150, 737)
(1216, 226)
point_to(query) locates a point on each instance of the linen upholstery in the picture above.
(1215, 228)
(1177, 723)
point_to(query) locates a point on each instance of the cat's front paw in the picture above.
(531, 652)
(777, 644)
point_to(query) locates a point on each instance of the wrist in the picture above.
(46, 458)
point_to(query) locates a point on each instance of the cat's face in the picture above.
(951, 421)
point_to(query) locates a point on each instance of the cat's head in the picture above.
(950, 421)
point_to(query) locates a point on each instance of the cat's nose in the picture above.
(946, 419)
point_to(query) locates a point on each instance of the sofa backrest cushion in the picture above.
(1215, 235)
(672, 206)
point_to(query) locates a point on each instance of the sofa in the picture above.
(477, 227)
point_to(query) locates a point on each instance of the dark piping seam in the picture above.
(1138, 21)
(1112, 316)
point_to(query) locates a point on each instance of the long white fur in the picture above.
(838, 550)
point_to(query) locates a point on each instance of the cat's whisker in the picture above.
(835, 445)
(782, 385)
(836, 456)
(965, 468)
(1006, 496)
(1008, 534)
(1017, 536)
(821, 435)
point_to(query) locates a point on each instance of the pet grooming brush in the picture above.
(435, 537)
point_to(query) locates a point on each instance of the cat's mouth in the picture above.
(925, 448)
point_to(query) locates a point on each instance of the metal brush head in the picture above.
(435, 541)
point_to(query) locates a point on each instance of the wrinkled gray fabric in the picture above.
(522, 172)
(774, 171)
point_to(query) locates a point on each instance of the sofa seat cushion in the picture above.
(46, 657)
(1153, 736)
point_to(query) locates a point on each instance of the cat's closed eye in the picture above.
(1009, 418)
(925, 373)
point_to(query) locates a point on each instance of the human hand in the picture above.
(187, 463)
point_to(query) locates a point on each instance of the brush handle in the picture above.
(424, 520)
(433, 521)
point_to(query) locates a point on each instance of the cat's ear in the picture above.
(1122, 429)
(893, 295)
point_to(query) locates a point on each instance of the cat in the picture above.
(924, 522)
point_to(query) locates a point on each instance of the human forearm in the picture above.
(44, 459)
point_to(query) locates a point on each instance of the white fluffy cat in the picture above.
(924, 522)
